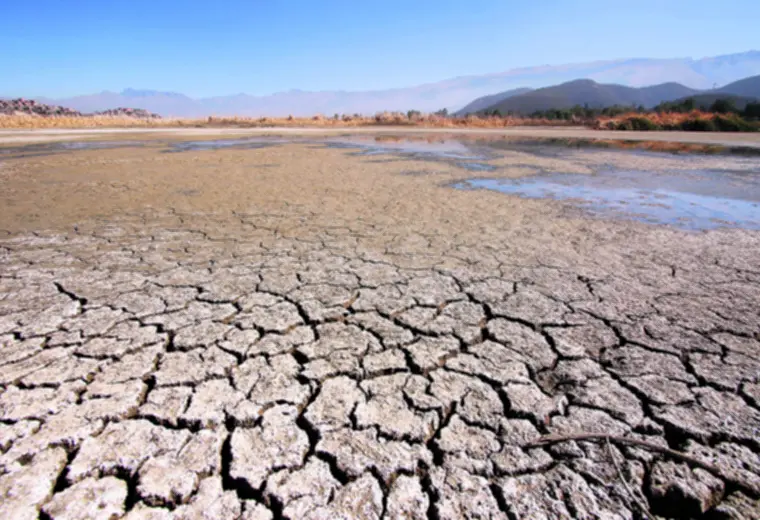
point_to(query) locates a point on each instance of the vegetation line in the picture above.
(722, 116)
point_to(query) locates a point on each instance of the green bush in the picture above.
(616, 110)
(642, 123)
(637, 123)
(752, 111)
(733, 124)
(698, 125)
(552, 115)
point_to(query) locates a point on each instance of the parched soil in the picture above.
(296, 331)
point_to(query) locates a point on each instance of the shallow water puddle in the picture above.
(476, 166)
(409, 147)
(43, 149)
(689, 200)
(219, 144)
(96, 145)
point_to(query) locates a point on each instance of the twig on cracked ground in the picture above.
(640, 503)
(722, 473)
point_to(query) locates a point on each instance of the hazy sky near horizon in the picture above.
(200, 48)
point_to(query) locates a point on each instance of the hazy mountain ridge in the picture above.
(747, 87)
(452, 93)
(487, 101)
(586, 92)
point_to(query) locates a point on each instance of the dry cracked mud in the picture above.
(311, 334)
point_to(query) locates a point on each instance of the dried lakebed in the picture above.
(304, 331)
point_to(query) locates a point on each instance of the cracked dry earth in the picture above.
(371, 346)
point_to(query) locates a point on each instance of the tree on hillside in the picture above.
(688, 105)
(681, 107)
(723, 106)
(752, 111)
(579, 111)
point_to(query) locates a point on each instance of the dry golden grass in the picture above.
(34, 121)
(25, 121)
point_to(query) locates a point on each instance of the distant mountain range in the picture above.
(586, 92)
(452, 94)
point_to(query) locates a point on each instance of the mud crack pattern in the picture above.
(262, 366)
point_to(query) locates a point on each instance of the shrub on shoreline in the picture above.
(694, 121)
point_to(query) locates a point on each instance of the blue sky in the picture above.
(201, 48)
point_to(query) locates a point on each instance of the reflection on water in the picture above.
(689, 200)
